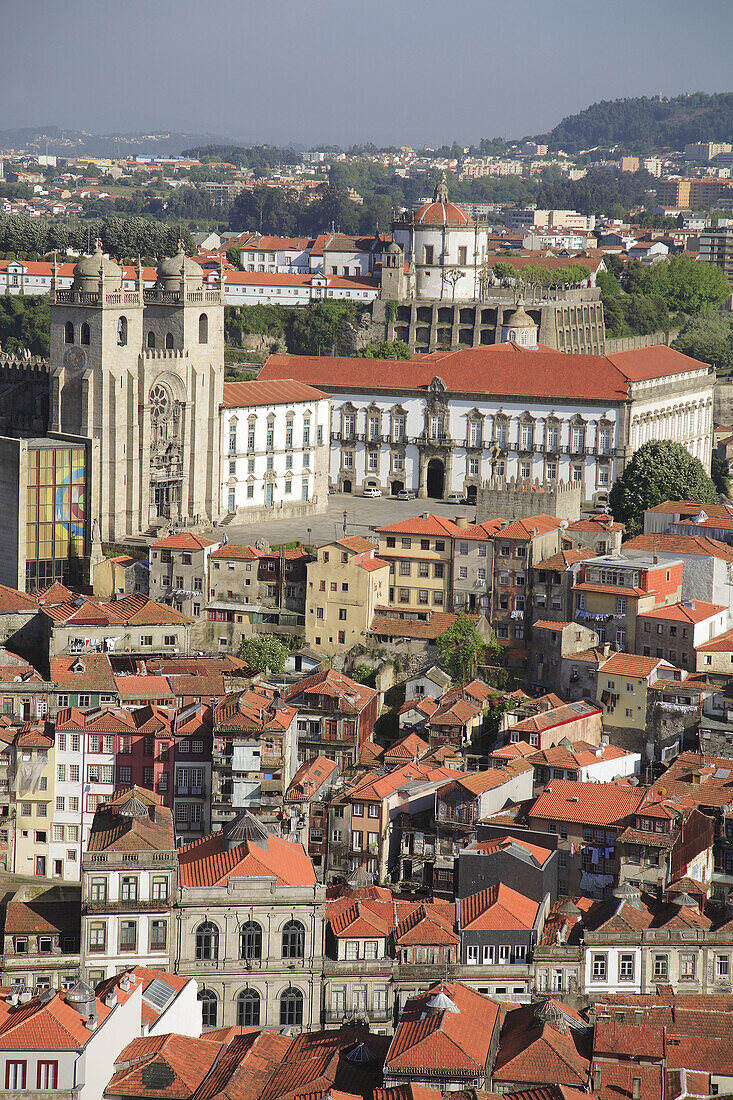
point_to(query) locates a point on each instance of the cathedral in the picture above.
(140, 373)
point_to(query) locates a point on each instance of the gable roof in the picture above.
(497, 906)
(278, 392)
(206, 861)
(186, 540)
(666, 543)
(587, 803)
(163, 1066)
(132, 821)
(532, 1048)
(457, 1042)
(500, 369)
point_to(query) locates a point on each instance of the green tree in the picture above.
(660, 470)
(453, 276)
(319, 329)
(460, 647)
(503, 270)
(685, 285)
(264, 652)
(609, 285)
(709, 338)
(719, 471)
(24, 323)
(388, 349)
(233, 255)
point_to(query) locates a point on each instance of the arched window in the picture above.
(250, 941)
(122, 331)
(209, 1007)
(151, 339)
(69, 332)
(293, 940)
(169, 341)
(291, 1007)
(85, 333)
(207, 941)
(248, 1008)
(203, 329)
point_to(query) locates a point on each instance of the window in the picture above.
(472, 953)
(661, 967)
(15, 1070)
(98, 889)
(69, 332)
(291, 1008)
(128, 935)
(722, 966)
(97, 936)
(151, 339)
(203, 329)
(129, 888)
(599, 968)
(248, 1008)
(250, 941)
(207, 942)
(626, 968)
(208, 1007)
(169, 341)
(47, 1075)
(159, 889)
(85, 334)
(293, 940)
(687, 967)
(158, 935)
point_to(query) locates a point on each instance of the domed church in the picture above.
(140, 372)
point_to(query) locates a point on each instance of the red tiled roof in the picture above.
(507, 843)
(205, 862)
(532, 1049)
(11, 600)
(632, 664)
(666, 543)
(499, 369)
(458, 1042)
(310, 778)
(387, 625)
(497, 906)
(423, 525)
(587, 803)
(564, 558)
(722, 644)
(284, 392)
(410, 747)
(524, 528)
(682, 613)
(557, 716)
(181, 1063)
(183, 541)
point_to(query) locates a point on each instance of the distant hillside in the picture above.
(78, 143)
(646, 124)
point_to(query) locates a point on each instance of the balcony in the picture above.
(196, 791)
(454, 816)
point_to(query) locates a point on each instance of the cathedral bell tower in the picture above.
(96, 335)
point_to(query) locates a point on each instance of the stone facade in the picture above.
(514, 498)
(142, 372)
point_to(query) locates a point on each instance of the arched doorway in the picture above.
(346, 487)
(471, 493)
(436, 478)
(397, 487)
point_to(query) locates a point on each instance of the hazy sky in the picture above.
(342, 71)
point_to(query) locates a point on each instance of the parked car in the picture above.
(372, 491)
(405, 494)
(454, 498)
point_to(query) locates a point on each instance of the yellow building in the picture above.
(346, 584)
(420, 554)
(623, 682)
(33, 785)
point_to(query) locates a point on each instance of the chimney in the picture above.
(636, 1088)
(606, 649)
(596, 1078)
(462, 522)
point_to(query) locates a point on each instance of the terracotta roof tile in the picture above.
(186, 540)
(587, 803)
(284, 392)
(205, 862)
(458, 1042)
(497, 907)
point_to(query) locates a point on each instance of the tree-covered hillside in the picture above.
(647, 123)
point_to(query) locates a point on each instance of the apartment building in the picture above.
(129, 881)
(347, 582)
(552, 583)
(255, 751)
(32, 777)
(517, 548)
(336, 717)
(179, 566)
(612, 591)
(420, 556)
(677, 630)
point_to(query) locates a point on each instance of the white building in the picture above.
(275, 448)
(447, 422)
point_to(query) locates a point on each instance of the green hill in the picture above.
(646, 124)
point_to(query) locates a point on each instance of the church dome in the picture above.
(89, 268)
(441, 212)
(520, 318)
(170, 269)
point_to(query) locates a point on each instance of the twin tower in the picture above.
(140, 373)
